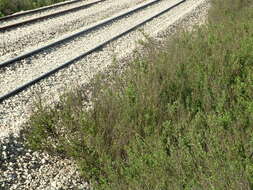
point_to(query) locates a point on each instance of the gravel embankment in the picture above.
(23, 169)
(28, 37)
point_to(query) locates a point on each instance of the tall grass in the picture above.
(181, 116)
(11, 6)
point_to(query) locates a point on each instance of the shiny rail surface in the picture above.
(84, 54)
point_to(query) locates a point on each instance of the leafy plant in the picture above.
(180, 117)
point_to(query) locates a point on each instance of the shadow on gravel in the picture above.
(15, 161)
(24, 169)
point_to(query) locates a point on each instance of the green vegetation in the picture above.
(180, 117)
(11, 6)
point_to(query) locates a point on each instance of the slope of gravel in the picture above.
(23, 169)
(34, 35)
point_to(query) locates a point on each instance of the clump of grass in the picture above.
(181, 117)
(11, 6)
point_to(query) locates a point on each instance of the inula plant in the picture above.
(180, 117)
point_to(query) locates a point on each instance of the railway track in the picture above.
(39, 33)
(83, 36)
(14, 25)
(28, 12)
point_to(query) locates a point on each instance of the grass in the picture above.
(180, 117)
(8, 7)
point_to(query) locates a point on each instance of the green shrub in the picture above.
(181, 116)
(11, 6)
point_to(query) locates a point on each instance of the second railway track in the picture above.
(25, 38)
(41, 9)
(57, 56)
(5, 27)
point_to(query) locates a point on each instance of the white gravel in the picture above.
(16, 110)
(26, 170)
(29, 36)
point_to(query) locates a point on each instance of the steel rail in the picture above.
(97, 47)
(9, 17)
(33, 20)
(72, 36)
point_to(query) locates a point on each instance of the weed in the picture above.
(181, 116)
(11, 6)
